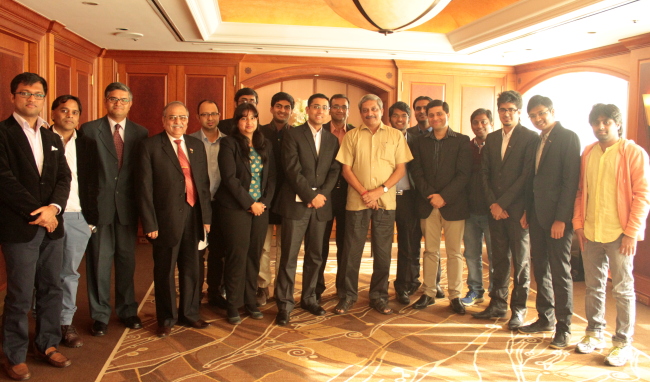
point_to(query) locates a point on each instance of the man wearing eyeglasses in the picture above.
(507, 167)
(208, 116)
(172, 164)
(117, 140)
(549, 211)
(281, 108)
(34, 189)
(243, 95)
(311, 171)
(339, 126)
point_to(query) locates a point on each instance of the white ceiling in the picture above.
(526, 31)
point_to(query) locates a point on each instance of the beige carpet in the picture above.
(363, 345)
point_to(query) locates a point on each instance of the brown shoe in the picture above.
(18, 372)
(70, 337)
(262, 296)
(163, 331)
(53, 357)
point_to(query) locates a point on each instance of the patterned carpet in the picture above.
(433, 344)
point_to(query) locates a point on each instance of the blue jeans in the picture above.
(597, 259)
(77, 234)
(475, 228)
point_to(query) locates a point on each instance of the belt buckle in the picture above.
(400, 192)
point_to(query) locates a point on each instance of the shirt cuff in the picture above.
(58, 207)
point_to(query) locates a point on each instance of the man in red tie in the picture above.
(173, 189)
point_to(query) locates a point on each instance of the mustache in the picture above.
(175, 126)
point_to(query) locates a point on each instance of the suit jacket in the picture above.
(449, 178)
(116, 187)
(226, 126)
(504, 180)
(235, 170)
(273, 135)
(341, 183)
(415, 131)
(23, 189)
(161, 187)
(306, 171)
(555, 185)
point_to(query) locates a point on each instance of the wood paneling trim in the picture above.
(406, 66)
(22, 21)
(174, 58)
(636, 42)
(575, 58)
(573, 69)
(330, 61)
(72, 44)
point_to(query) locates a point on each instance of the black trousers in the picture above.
(409, 243)
(112, 243)
(293, 232)
(243, 239)
(165, 259)
(551, 260)
(509, 245)
(35, 263)
(339, 199)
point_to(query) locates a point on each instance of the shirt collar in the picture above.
(40, 122)
(204, 138)
(449, 133)
(74, 134)
(112, 123)
(182, 138)
(313, 130)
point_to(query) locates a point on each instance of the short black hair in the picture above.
(438, 102)
(282, 96)
(537, 100)
(246, 91)
(481, 111)
(609, 111)
(65, 98)
(420, 98)
(510, 96)
(339, 96)
(317, 95)
(27, 78)
(399, 105)
(198, 108)
(117, 86)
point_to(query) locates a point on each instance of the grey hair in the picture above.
(371, 97)
(174, 103)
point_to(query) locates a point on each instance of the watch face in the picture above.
(385, 189)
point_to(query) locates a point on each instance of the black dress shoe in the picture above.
(218, 301)
(516, 320)
(439, 292)
(315, 309)
(132, 322)
(537, 327)
(414, 288)
(489, 313)
(560, 340)
(198, 324)
(99, 329)
(254, 312)
(282, 318)
(163, 331)
(402, 298)
(424, 301)
(457, 306)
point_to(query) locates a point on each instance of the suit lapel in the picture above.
(244, 159)
(552, 136)
(511, 143)
(129, 141)
(310, 140)
(19, 136)
(169, 150)
(106, 137)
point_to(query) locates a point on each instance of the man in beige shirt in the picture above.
(374, 158)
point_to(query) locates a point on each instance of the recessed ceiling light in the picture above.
(89, 3)
(316, 75)
(122, 29)
(591, 32)
(259, 48)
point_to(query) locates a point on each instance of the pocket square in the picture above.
(54, 148)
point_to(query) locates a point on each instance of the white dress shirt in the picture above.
(74, 203)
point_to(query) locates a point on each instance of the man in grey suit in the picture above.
(117, 140)
(311, 172)
(549, 211)
(507, 165)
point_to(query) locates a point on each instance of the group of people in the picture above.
(66, 189)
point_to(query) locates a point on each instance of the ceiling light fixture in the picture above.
(387, 16)
(130, 35)
(89, 3)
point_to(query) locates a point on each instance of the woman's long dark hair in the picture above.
(259, 141)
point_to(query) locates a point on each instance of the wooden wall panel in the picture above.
(84, 93)
(472, 98)
(12, 63)
(265, 93)
(62, 81)
(433, 90)
(198, 88)
(149, 99)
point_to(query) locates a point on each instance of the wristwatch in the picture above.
(385, 188)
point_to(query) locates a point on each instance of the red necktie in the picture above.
(119, 145)
(190, 190)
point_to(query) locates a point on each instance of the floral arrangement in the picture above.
(299, 114)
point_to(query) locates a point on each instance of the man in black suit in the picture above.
(243, 95)
(80, 216)
(549, 212)
(34, 189)
(117, 140)
(174, 201)
(440, 169)
(311, 172)
(409, 234)
(506, 168)
(339, 126)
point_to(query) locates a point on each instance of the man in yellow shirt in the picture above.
(609, 217)
(374, 159)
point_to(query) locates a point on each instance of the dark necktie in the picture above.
(119, 145)
(190, 190)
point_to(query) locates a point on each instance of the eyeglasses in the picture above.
(246, 100)
(503, 110)
(541, 114)
(339, 107)
(28, 95)
(320, 107)
(206, 115)
(183, 118)
(123, 101)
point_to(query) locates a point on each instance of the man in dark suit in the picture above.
(409, 234)
(174, 204)
(80, 216)
(117, 140)
(506, 168)
(549, 212)
(311, 171)
(34, 189)
(440, 169)
(339, 126)
(243, 95)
